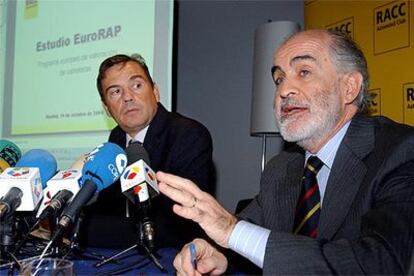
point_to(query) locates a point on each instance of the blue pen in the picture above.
(193, 255)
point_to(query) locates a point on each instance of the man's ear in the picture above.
(156, 92)
(106, 109)
(352, 85)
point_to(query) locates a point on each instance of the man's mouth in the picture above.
(131, 110)
(291, 110)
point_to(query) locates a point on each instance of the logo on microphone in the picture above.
(131, 173)
(121, 162)
(91, 156)
(48, 198)
(113, 170)
(150, 174)
(68, 174)
(18, 172)
(37, 188)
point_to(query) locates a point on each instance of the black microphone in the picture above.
(56, 204)
(137, 183)
(10, 201)
(54, 207)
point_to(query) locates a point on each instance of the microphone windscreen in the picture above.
(42, 159)
(104, 165)
(135, 152)
(9, 154)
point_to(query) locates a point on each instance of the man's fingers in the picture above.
(210, 260)
(177, 263)
(179, 196)
(212, 265)
(188, 213)
(179, 183)
(182, 262)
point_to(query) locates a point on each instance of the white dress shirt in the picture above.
(140, 136)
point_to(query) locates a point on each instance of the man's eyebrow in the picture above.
(131, 78)
(293, 61)
(275, 68)
(302, 57)
(134, 77)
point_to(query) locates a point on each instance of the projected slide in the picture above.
(50, 54)
(54, 65)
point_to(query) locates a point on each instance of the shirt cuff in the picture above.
(249, 240)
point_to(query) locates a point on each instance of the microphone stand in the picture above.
(140, 245)
(76, 250)
(6, 235)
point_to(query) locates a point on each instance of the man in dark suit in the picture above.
(174, 143)
(358, 181)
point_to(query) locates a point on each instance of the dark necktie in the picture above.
(308, 207)
(132, 141)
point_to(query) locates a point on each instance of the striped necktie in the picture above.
(308, 207)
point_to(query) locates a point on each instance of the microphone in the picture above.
(30, 175)
(102, 168)
(59, 190)
(41, 159)
(56, 204)
(139, 184)
(22, 186)
(9, 154)
(66, 181)
(10, 202)
(138, 172)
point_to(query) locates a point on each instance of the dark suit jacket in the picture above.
(367, 218)
(175, 144)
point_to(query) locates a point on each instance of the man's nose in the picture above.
(127, 95)
(286, 89)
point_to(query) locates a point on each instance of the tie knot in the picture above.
(132, 141)
(314, 164)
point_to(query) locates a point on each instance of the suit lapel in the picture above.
(118, 136)
(152, 141)
(346, 176)
(294, 176)
(289, 193)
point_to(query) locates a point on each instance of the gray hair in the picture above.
(348, 57)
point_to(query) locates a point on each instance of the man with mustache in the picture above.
(174, 143)
(361, 196)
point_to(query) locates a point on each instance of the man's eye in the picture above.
(278, 81)
(304, 73)
(136, 85)
(114, 92)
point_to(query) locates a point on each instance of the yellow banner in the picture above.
(408, 108)
(385, 32)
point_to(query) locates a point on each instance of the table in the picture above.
(131, 263)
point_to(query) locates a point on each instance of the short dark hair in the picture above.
(120, 59)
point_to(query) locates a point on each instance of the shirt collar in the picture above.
(140, 136)
(328, 152)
